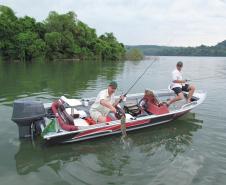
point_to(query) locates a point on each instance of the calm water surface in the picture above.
(190, 150)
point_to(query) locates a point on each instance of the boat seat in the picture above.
(71, 102)
(65, 115)
(80, 113)
(66, 122)
(158, 110)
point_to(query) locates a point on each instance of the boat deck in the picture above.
(178, 108)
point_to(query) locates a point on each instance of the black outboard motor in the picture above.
(28, 115)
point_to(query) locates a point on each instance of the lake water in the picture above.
(190, 150)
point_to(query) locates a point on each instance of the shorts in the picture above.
(95, 115)
(178, 90)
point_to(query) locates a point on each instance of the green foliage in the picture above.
(54, 44)
(26, 24)
(111, 49)
(60, 23)
(59, 36)
(29, 45)
(134, 54)
(217, 50)
(8, 31)
(7, 12)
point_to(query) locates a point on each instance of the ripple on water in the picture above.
(182, 170)
(191, 150)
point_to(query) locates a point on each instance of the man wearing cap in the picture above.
(104, 103)
(179, 85)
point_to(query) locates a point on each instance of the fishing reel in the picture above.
(119, 112)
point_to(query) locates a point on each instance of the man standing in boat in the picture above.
(179, 85)
(104, 103)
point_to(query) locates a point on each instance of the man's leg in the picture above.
(101, 119)
(97, 116)
(180, 96)
(191, 89)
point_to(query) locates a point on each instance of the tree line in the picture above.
(217, 50)
(59, 36)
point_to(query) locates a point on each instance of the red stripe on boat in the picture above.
(111, 128)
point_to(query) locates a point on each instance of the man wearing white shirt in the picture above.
(104, 103)
(179, 85)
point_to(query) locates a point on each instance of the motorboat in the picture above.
(68, 120)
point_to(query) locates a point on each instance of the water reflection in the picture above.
(107, 154)
(54, 78)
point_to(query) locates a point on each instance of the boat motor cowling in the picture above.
(27, 113)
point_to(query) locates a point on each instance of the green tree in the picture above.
(29, 45)
(26, 24)
(8, 30)
(60, 23)
(53, 44)
(86, 38)
(59, 36)
(134, 54)
(112, 49)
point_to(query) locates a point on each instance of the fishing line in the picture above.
(203, 78)
(124, 137)
(155, 59)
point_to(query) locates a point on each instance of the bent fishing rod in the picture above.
(120, 111)
(155, 59)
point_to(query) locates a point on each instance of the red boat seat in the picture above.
(67, 116)
(61, 117)
(155, 109)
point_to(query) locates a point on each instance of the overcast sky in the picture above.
(133, 22)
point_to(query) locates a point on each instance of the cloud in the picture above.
(166, 22)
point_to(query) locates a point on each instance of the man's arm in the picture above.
(179, 81)
(108, 105)
(119, 100)
(175, 77)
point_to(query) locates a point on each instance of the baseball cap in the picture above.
(179, 64)
(113, 84)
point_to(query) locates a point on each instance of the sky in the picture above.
(140, 22)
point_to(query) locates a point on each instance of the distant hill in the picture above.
(217, 50)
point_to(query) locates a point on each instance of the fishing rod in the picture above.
(121, 112)
(203, 78)
(155, 59)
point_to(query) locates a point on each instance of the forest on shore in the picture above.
(59, 36)
(64, 36)
(149, 50)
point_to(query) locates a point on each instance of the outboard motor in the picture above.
(28, 115)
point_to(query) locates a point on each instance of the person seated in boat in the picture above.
(149, 104)
(179, 85)
(148, 99)
(104, 103)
